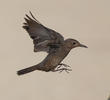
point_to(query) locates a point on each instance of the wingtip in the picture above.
(28, 17)
(30, 12)
(27, 20)
(25, 27)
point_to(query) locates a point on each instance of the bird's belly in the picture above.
(55, 61)
(52, 63)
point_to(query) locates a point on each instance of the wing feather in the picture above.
(40, 33)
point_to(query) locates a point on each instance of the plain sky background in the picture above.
(85, 20)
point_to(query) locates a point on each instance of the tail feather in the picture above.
(30, 69)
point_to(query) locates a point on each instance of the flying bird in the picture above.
(50, 41)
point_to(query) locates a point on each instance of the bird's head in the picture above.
(72, 43)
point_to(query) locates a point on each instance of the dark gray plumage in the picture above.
(49, 41)
(44, 39)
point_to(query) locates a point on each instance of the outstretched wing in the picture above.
(41, 35)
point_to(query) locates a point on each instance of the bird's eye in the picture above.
(74, 43)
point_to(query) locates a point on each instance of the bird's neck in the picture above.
(64, 50)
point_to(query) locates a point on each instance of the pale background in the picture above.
(85, 20)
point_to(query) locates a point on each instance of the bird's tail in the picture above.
(29, 69)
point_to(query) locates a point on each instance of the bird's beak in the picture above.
(81, 45)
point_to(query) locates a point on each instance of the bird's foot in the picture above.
(64, 65)
(63, 69)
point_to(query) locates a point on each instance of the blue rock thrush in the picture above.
(50, 41)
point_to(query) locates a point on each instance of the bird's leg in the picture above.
(61, 64)
(62, 69)
(65, 65)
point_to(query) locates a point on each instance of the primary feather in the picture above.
(43, 37)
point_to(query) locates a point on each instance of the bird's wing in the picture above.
(40, 34)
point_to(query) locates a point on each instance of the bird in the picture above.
(50, 41)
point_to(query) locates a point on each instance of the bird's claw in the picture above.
(65, 69)
(64, 65)
(62, 69)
